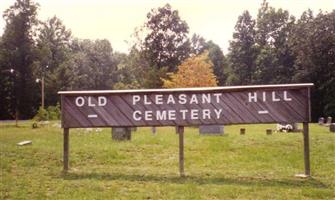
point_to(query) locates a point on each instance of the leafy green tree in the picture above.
(129, 75)
(164, 44)
(18, 51)
(7, 77)
(313, 43)
(243, 52)
(93, 65)
(275, 59)
(53, 49)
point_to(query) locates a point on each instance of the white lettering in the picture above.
(148, 115)
(90, 103)
(80, 101)
(182, 99)
(136, 98)
(146, 101)
(194, 114)
(274, 97)
(161, 115)
(172, 115)
(218, 113)
(183, 112)
(137, 115)
(206, 114)
(194, 99)
(217, 95)
(159, 99)
(264, 96)
(206, 98)
(252, 97)
(170, 99)
(102, 101)
(285, 97)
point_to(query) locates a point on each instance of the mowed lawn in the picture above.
(233, 166)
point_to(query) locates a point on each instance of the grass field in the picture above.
(233, 166)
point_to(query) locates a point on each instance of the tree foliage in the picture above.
(52, 51)
(18, 54)
(313, 43)
(93, 65)
(274, 63)
(243, 51)
(166, 43)
(271, 48)
(196, 71)
(215, 54)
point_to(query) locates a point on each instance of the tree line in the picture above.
(273, 47)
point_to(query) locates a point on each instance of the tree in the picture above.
(18, 44)
(53, 49)
(164, 44)
(7, 108)
(196, 71)
(215, 54)
(275, 59)
(129, 75)
(313, 43)
(93, 65)
(199, 45)
(243, 51)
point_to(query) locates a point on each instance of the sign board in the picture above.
(187, 106)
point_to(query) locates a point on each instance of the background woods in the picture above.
(272, 47)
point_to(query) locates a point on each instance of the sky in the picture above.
(116, 20)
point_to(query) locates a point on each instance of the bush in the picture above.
(51, 113)
(42, 115)
(54, 112)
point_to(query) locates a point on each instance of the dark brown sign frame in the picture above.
(285, 103)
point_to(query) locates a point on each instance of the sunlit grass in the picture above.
(232, 166)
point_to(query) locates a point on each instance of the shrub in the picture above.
(42, 115)
(54, 112)
(51, 113)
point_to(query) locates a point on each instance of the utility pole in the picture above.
(42, 86)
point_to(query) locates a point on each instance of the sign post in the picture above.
(306, 149)
(286, 103)
(180, 131)
(66, 149)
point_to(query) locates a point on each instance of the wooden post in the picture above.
(180, 131)
(66, 149)
(306, 148)
(42, 92)
(242, 131)
(268, 131)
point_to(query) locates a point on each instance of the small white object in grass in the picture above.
(88, 130)
(24, 143)
(302, 176)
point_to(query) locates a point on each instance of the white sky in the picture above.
(116, 20)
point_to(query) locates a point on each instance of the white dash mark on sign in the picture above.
(263, 112)
(92, 116)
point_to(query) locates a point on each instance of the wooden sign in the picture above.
(186, 107)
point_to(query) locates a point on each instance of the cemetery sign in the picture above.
(185, 107)
(289, 103)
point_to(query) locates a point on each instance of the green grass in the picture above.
(233, 166)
